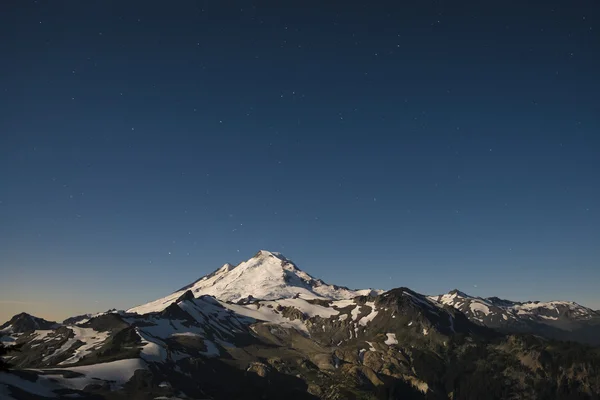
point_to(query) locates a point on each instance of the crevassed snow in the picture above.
(267, 276)
(391, 339)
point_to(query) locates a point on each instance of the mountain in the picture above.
(266, 276)
(266, 330)
(562, 320)
(21, 324)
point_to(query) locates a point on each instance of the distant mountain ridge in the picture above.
(24, 322)
(562, 320)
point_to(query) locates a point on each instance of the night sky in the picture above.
(434, 145)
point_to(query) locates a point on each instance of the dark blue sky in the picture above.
(424, 144)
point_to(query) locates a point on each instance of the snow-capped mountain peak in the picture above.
(24, 322)
(266, 276)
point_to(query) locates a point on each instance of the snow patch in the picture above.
(355, 313)
(391, 339)
(311, 310)
(479, 307)
(91, 339)
(368, 318)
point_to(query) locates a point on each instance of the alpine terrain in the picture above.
(265, 329)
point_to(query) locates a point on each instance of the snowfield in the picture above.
(116, 372)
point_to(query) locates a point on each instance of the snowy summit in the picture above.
(266, 276)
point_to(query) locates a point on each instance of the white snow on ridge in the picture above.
(91, 341)
(448, 298)
(343, 303)
(479, 307)
(267, 311)
(154, 349)
(550, 318)
(368, 318)
(355, 312)
(267, 314)
(510, 309)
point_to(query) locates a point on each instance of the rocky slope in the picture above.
(291, 336)
(23, 323)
